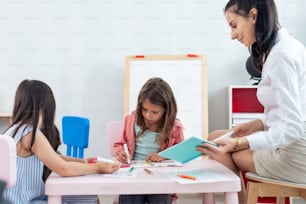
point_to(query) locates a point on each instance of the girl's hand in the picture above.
(108, 167)
(154, 157)
(89, 160)
(123, 157)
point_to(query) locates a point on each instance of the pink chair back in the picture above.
(7, 160)
(114, 131)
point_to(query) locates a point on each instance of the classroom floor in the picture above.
(196, 199)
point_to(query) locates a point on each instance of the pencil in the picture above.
(226, 135)
(148, 171)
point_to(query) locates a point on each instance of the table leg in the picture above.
(231, 198)
(55, 199)
(208, 198)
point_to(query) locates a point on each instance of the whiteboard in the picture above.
(187, 76)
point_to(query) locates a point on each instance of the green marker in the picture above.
(131, 171)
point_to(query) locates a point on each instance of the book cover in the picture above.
(184, 151)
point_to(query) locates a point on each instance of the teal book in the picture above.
(185, 151)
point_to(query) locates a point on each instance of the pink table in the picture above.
(143, 183)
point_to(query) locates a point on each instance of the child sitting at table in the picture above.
(152, 128)
(37, 139)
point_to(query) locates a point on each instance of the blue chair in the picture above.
(75, 132)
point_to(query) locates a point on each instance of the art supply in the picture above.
(125, 165)
(148, 171)
(131, 171)
(226, 135)
(127, 153)
(184, 176)
(100, 159)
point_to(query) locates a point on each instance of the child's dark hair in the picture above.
(266, 26)
(158, 92)
(32, 98)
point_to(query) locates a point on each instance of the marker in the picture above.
(148, 171)
(131, 171)
(100, 159)
(139, 56)
(192, 55)
(127, 152)
(226, 135)
(187, 177)
(125, 165)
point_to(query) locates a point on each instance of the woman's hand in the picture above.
(226, 145)
(248, 128)
(154, 157)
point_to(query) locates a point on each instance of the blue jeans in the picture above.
(143, 199)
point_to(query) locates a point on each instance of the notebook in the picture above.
(185, 151)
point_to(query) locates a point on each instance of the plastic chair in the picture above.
(75, 135)
(8, 164)
(259, 186)
(8, 160)
(114, 130)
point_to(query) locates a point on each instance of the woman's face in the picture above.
(152, 113)
(242, 27)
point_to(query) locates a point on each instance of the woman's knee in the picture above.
(215, 134)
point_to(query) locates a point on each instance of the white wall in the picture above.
(78, 48)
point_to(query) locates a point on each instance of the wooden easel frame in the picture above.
(204, 89)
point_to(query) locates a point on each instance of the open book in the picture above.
(185, 151)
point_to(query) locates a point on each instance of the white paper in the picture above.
(202, 175)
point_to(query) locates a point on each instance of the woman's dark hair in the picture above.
(158, 92)
(266, 26)
(32, 98)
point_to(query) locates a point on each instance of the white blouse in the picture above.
(282, 92)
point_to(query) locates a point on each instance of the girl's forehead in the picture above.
(146, 103)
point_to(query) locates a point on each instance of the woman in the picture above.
(274, 146)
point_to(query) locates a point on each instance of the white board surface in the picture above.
(188, 79)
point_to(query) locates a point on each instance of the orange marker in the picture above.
(187, 177)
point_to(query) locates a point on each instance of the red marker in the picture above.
(192, 55)
(139, 56)
(100, 159)
(125, 165)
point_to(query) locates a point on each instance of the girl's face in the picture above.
(152, 113)
(242, 27)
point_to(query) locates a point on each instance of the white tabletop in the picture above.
(145, 183)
